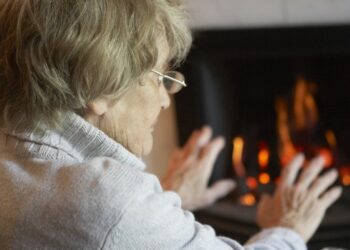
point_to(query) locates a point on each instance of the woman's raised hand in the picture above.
(190, 167)
(300, 203)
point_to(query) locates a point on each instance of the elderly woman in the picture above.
(81, 85)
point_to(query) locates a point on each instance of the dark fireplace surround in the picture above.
(234, 77)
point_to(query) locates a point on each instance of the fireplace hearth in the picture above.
(272, 93)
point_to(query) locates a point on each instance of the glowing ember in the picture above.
(263, 158)
(327, 155)
(331, 139)
(237, 154)
(264, 178)
(251, 183)
(345, 175)
(247, 200)
(346, 180)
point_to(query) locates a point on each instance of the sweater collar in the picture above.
(78, 140)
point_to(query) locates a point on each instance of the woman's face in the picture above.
(130, 120)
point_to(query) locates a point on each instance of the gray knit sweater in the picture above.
(81, 190)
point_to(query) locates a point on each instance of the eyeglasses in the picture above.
(173, 81)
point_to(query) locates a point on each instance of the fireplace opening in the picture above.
(273, 93)
(279, 118)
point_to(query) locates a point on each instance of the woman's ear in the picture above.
(99, 106)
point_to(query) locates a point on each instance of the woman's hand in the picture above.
(300, 205)
(189, 170)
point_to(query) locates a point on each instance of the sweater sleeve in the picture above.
(154, 219)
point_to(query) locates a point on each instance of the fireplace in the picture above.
(272, 93)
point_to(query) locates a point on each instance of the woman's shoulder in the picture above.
(104, 181)
(87, 198)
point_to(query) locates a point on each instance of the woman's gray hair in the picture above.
(57, 56)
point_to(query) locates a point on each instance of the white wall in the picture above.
(255, 13)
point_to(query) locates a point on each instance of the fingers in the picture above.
(290, 172)
(310, 173)
(209, 155)
(174, 160)
(205, 135)
(198, 139)
(323, 183)
(318, 188)
(191, 142)
(175, 156)
(265, 207)
(218, 190)
(330, 197)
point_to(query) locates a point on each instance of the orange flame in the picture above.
(331, 139)
(237, 155)
(264, 178)
(346, 180)
(304, 117)
(263, 158)
(305, 108)
(247, 200)
(345, 175)
(251, 183)
(327, 156)
(286, 149)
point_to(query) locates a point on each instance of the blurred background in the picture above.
(272, 77)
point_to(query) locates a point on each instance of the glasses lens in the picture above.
(170, 85)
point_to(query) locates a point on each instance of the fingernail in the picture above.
(221, 140)
(231, 184)
(206, 126)
(339, 189)
(334, 172)
(320, 158)
(217, 143)
(300, 156)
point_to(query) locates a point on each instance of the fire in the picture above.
(296, 130)
(251, 183)
(237, 155)
(264, 178)
(327, 156)
(331, 139)
(345, 175)
(263, 158)
(346, 180)
(247, 200)
(300, 124)
(305, 108)
(286, 149)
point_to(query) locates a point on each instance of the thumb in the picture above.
(264, 208)
(265, 201)
(218, 190)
